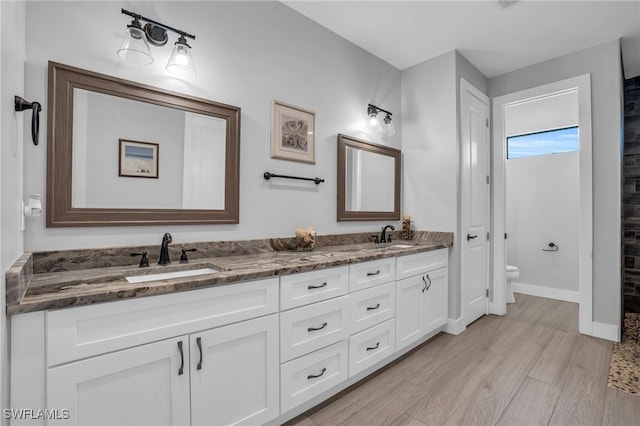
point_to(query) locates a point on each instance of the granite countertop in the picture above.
(73, 286)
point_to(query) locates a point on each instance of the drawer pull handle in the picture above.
(373, 348)
(373, 308)
(199, 343)
(315, 376)
(427, 286)
(312, 287)
(324, 324)
(181, 369)
(371, 274)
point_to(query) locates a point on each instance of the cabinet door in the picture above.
(139, 386)
(408, 311)
(234, 373)
(435, 299)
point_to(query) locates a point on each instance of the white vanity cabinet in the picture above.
(234, 373)
(421, 297)
(227, 375)
(144, 385)
(200, 357)
(255, 352)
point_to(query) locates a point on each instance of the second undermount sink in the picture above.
(170, 275)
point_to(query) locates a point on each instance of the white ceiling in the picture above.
(496, 36)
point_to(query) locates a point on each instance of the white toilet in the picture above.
(512, 273)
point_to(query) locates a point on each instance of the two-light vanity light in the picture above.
(386, 127)
(135, 48)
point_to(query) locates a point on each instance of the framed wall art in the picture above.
(138, 159)
(292, 133)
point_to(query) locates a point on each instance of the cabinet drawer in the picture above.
(308, 328)
(419, 263)
(372, 306)
(310, 375)
(369, 274)
(371, 346)
(85, 331)
(316, 286)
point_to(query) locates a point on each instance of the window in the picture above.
(543, 143)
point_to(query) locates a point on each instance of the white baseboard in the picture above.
(605, 331)
(455, 326)
(548, 292)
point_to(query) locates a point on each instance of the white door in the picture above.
(235, 373)
(139, 386)
(408, 311)
(474, 136)
(434, 294)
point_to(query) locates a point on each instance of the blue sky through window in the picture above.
(542, 143)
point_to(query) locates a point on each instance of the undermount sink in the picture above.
(401, 246)
(170, 275)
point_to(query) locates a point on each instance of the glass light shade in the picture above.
(180, 62)
(135, 48)
(388, 128)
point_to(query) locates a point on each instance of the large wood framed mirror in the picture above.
(124, 153)
(368, 180)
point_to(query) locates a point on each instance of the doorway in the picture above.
(579, 86)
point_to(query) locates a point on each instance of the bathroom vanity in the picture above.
(260, 340)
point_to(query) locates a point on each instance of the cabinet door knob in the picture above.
(428, 285)
(199, 343)
(425, 284)
(311, 287)
(181, 369)
(324, 324)
(315, 376)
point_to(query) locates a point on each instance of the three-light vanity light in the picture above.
(135, 48)
(386, 127)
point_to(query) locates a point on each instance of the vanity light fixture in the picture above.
(387, 128)
(135, 48)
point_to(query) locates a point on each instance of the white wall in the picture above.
(96, 182)
(603, 63)
(430, 110)
(246, 53)
(543, 205)
(12, 43)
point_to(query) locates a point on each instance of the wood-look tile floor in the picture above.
(529, 367)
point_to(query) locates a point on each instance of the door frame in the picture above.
(465, 86)
(581, 84)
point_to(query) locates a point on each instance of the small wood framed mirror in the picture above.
(369, 179)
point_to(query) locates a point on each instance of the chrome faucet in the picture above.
(383, 236)
(164, 249)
